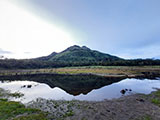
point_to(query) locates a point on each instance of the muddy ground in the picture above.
(133, 107)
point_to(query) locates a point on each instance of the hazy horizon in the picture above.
(34, 28)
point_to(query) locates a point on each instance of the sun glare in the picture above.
(22, 32)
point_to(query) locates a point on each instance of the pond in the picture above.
(33, 90)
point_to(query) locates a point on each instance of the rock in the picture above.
(123, 91)
(140, 100)
(126, 89)
(29, 86)
(23, 86)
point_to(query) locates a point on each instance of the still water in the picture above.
(33, 90)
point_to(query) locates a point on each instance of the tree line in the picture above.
(35, 64)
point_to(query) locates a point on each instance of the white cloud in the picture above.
(2, 52)
(22, 31)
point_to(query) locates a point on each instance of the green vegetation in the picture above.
(17, 111)
(80, 54)
(106, 70)
(147, 117)
(157, 94)
(69, 113)
(156, 101)
(61, 110)
(77, 80)
(74, 56)
(156, 98)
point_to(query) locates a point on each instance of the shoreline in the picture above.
(131, 107)
(139, 72)
(144, 75)
(134, 107)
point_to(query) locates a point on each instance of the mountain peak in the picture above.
(73, 47)
(76, 47)
(84, 47)
(77, 54)
(53, 54)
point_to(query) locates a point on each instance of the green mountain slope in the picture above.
(74, 56)
(79, 54)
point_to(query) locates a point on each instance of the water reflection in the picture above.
(72, 84)
(107, 92)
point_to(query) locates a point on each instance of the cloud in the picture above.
(125, 28)
(2, 52)
(22, 31)
(27, 52)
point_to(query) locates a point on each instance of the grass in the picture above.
(17, 111)
(146, 118)
(125, 70)
(69, 113)
(156, 101)
(156, 97)
(157, 93)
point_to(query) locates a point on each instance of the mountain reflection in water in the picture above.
(72, 84)
(80, 87)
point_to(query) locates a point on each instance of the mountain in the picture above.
(156, 57)
(47, 57)
(79, 55)
(74, 56)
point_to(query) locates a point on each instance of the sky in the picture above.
(125, 28)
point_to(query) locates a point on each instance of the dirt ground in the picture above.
(132, 107)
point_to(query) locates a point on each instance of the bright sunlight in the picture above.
(27, 35)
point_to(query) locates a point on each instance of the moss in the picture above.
(1, 99)
(156, 101)
(10, 109)
(69, 113)
(157, 93)
(16, 110)
(146, 118)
